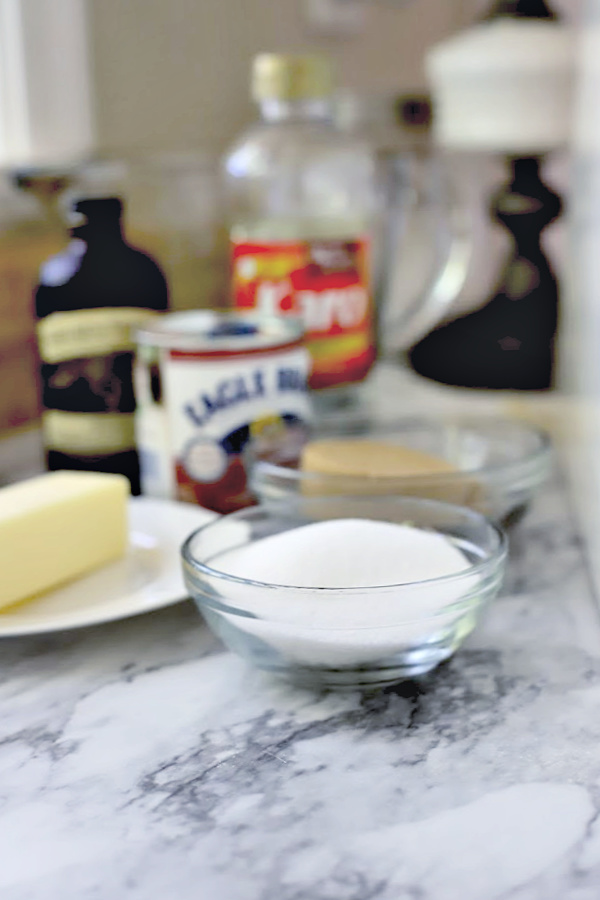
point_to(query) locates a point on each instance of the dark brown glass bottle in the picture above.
(89, 300)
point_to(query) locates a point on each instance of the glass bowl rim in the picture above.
(265, 469)
(496, 558)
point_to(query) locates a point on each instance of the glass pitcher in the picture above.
(426, 249)
(424, 231)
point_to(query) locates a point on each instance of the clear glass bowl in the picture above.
(500, 463)
(345, 638)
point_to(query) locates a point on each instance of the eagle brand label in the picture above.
(199, 415)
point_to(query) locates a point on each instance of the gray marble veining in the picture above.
(139, 760)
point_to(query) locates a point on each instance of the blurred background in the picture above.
(141, 100)
(174, 76)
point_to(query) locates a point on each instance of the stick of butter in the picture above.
(56, 528)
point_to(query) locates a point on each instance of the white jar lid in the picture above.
(504, 85)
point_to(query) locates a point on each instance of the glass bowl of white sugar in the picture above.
(345, 592)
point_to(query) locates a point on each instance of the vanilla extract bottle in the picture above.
(90, 299)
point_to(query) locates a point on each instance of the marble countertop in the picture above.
(140, 760)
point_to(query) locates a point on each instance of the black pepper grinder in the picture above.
(521, 9)
(508, 344)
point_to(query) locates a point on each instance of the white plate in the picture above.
(147, 578)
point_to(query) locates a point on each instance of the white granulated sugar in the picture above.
(343, 553)
(340, 627)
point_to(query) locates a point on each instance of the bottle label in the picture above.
(326, 282)
(88, 332)
(86, 374)
(88, 434)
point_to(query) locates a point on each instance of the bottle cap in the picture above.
(282, 76)
(92, 212)
(104, 207)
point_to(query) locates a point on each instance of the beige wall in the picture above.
(173, 74)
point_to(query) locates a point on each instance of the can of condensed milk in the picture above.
(210, 387)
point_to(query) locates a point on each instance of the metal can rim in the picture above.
(201, 333)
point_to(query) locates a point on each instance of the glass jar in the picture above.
(302, 205)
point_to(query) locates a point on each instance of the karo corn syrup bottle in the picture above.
(302, 200)
(88, 303)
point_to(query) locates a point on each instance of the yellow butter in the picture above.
(56, 528)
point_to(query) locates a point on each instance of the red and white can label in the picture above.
(326, 282)
(217, 407)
